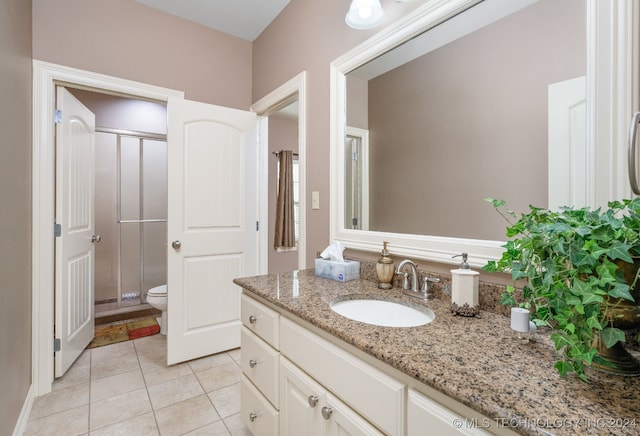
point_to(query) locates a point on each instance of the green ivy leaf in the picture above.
(507, 299)
(591, 298)
(611, 336)
(573, 300)
(491, 266)
(564, 367)
(621, 290)
(568, 261)
(588, 356)
(594, 323)
(619, 250)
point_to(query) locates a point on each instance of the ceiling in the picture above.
(245, 19)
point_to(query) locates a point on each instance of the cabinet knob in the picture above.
(326, 412)
(253, 416)
(313, 400)
(252, 319)
(253, 363)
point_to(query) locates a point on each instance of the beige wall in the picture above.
(307, 36)
(358, 102)
(15, 209)
(124, 113)
(469, 121)
(125, 39)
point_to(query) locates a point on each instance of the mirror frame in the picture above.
(612, 34)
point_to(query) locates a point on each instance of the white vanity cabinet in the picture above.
(301, 400)
(260, 367)
(307, 409)
(341, 420)
(425, 416)
(373, 394)
(296, 382)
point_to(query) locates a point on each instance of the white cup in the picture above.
(520, 322)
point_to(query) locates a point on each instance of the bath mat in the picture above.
(121, 331)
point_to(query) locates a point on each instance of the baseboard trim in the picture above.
(21, 425)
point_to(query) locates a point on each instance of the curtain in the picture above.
(285, 225)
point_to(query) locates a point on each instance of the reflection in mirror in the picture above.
(496, 112)
(356, 179)
(283, 135)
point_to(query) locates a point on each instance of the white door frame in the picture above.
(294, 88)
(45, 78)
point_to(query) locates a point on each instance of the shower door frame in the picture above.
(140, 135)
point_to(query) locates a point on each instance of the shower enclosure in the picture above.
(131, 218)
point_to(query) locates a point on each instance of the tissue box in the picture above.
(339, 271)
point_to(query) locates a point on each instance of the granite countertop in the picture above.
(475, 361)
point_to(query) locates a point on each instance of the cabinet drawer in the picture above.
(260, 365)
(259, 416)
(423, 413)
(260, 319)
(373, 394)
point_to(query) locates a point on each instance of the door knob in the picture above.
(176, 245)
(326, 412)
(96, 238)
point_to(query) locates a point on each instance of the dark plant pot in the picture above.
(624, 363)
(624, 314)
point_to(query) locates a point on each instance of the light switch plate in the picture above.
(315, 200)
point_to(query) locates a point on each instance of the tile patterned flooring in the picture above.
(128, 389)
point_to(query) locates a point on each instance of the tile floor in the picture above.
(127, 389)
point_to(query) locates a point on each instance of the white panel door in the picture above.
(568, 166)
(212, 215)
(74, 285)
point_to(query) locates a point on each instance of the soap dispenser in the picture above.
(385, 269)
(464, 289)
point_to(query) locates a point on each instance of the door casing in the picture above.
(293, 89)
(45, 77)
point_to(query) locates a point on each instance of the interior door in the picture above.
(567, 143)
(75, 225)
(212, 225)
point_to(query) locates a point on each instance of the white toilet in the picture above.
(157, 297)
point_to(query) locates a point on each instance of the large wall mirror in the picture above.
(470, 99)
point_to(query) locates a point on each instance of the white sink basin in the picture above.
(382, 312)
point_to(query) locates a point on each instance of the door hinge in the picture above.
(56, 345)
(57, 116)
(354, 156)
(57, 230)
(257, 226)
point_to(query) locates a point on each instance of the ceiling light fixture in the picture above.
(364, 14)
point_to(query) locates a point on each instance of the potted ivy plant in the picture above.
(568, 263)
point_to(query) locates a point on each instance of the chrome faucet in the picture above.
(412, 288)
(414, 275)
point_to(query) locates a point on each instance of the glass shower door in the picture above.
(131, 211)
(143, 217)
